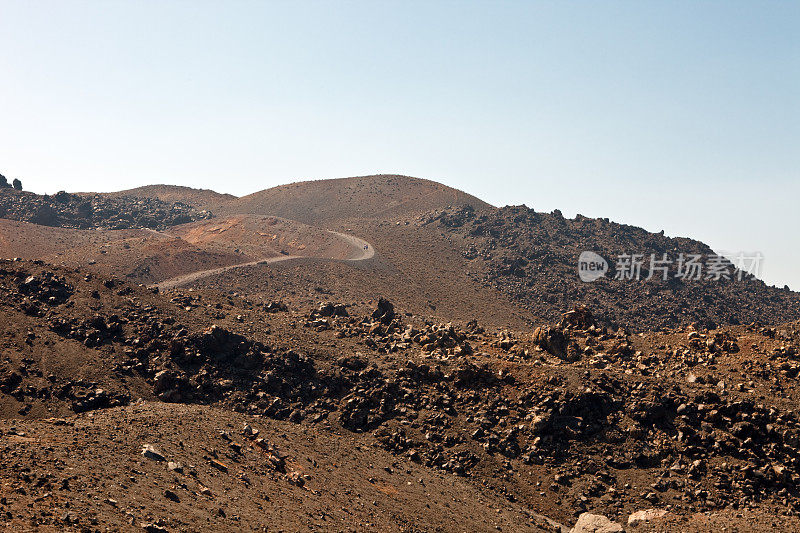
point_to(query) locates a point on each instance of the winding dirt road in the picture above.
(361, 250)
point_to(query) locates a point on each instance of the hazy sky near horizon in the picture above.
(681, 116)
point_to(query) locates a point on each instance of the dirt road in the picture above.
(361, 250)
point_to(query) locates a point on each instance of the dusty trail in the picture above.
(361, 250)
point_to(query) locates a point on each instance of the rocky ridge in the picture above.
(533, 258)
(95, 211)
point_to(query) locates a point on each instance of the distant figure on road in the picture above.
(366, 246)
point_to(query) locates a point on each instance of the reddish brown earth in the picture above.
(461, 403)
(149, 256)
(87, 473)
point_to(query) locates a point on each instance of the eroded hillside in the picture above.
(533, 258)
(568, 418)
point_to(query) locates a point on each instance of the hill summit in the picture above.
(377, 197)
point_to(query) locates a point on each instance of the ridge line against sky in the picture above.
(680, 116)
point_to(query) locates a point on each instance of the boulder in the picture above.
(385, 311)
(645, 516)
(595, 523)
(150, 452)
(580, 317)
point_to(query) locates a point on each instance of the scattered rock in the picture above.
(150, 452)
(175, 467)
(154, 528)
(97, 211)
(222, 467)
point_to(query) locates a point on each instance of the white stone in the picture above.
(645, 516)
(595, 523)
(151, 453)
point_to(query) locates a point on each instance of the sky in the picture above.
(680, 116)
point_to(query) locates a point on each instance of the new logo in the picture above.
(591, 266)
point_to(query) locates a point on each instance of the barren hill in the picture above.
(437, 250)
(324, 202)
(444, 252)
(214, 478)
(199, 198)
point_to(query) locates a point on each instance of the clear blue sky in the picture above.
(682, 116)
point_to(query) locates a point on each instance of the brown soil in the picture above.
(460, 403)
(86, 472)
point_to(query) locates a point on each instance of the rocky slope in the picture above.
(159, 467)
(199, 198)
(83, 212)
(533, 258)
(569, 418)
(491, 390)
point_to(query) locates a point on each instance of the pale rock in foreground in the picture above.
(150, 452)
(595, 523)
(645, 516)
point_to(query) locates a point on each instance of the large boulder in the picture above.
(595, 523)
(580, 317)
(385, 311)
(555, 340)
(329, 309)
